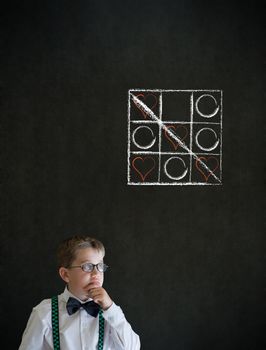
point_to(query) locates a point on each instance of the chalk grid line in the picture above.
(158, 120)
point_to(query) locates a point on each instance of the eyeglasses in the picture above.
(89, 267)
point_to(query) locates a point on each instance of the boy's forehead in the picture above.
(86, 254)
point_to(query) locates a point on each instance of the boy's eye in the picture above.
(88, 267)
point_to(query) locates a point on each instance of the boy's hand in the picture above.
(101, 297)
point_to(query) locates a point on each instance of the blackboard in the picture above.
(186, 262)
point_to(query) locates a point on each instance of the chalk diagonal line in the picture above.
(150, 113)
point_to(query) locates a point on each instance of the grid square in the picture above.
(176, 106)
(174, 137)
(182, 131)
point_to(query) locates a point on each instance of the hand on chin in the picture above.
(93, 284)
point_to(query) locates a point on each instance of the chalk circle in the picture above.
(182, 163)
(143, 146)
(205, 115)
(207, 148)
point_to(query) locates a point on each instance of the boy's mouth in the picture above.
(94, 283)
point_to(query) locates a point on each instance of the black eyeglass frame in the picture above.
(92, 266)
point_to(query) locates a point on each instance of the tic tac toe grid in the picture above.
(174, 137)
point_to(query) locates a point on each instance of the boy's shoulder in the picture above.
(43, 306)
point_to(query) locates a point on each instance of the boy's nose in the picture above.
(94, 271)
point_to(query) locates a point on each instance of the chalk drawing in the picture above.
(207, 160)
(143, 146)
(143, 166)
(205, 115)
(174, 137)
(175, 177)
(207, 148)
(149, 99)
(177, 129)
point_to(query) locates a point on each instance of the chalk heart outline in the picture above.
(144, 99)
(142, 174)
(182, 138)
(206, 161)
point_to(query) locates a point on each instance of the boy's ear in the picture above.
(63, 272)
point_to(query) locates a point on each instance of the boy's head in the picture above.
(68, 249)
(72, 254)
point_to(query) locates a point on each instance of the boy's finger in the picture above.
(92, 285)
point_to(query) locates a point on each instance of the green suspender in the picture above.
(101, 330)
(55, 325)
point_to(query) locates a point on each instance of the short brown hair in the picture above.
(66, 252)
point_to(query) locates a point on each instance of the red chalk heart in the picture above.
(181, 132)
(211, 162)
(150, 101)
(143, 166)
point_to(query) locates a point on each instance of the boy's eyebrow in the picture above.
(84, 261)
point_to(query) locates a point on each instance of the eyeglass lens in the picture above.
(88, 267)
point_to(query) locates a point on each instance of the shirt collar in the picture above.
(67, 294)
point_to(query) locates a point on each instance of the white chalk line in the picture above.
(172, 183)
(174, 153)
(160, 137)
(128, 138)
(172, 122)
(221, 133)
(173, 90)
(191, 131)
(149, 112)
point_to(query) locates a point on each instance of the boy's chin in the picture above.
(94, 284)
(83, 296)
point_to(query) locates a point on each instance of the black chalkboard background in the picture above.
(187, 262)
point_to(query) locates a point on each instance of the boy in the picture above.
(88, 318)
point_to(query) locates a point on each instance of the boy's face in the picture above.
(80, 282)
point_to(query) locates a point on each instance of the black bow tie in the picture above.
(74, 305)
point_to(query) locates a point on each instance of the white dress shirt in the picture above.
(78, 331)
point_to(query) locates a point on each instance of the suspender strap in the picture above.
(101, 330)
(55, 323)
